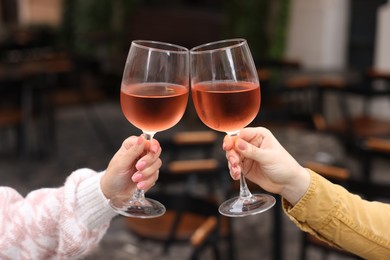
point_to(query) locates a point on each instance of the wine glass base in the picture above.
(241, 207)
(144, 208)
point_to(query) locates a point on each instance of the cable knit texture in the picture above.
(54, 223)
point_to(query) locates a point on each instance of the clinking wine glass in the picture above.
(226, 94)
(154, 95)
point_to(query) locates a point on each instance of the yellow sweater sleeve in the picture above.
(342, 219)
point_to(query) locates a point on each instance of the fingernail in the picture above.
(141, 185)
(154, 148)
(136, 177)
(232, 160)
(140, 140)
(140, 165)
(242, 145)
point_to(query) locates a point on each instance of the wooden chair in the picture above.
(373, 147)
(189, 220)
(358, 125)
(300, 94)
(192, 218)
(355, 130)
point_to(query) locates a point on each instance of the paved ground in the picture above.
(79, 143)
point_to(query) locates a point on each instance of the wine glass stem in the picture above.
(148, 135)
(140, 194)
(244, 191)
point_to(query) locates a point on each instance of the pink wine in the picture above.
(226, 106)
(153, 107)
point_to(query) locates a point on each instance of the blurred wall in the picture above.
(382, 43)
(318, 33)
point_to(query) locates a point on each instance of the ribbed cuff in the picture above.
(92, 206)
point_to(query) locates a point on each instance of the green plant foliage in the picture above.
(262, 22)
(247, 19)
(92, 27)
(278, 41)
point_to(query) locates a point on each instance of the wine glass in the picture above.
(154, 95)
(226, 94)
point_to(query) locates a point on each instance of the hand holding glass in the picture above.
(154, 95)
(226, 95)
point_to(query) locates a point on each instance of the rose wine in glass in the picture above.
(226, 94)
(154, 95)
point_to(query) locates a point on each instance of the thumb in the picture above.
(248, 150)
(132, 148)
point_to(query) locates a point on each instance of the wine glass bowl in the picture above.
(226, 106)
(154, 95)
(153, 107)
(226, 95)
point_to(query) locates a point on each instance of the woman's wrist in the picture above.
(297, 187)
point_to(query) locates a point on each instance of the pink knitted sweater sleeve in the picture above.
(54, 223)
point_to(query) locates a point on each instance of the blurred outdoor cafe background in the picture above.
(324, 69)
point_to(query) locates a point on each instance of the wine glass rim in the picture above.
(236, 42)
(142, 44)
